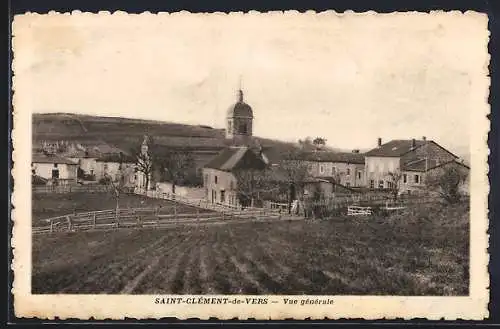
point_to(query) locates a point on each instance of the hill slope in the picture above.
(127, 134)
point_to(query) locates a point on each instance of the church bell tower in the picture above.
(239, 121)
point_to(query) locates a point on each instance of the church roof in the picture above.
(233, 158)
(240, 109)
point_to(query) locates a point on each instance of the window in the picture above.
(92, 172)
(55, 173)
(334, 170)
(348, 184)
(348, 171)
(372, 183)
(321, 168)
(55, 165)
(405, 178)
(389, 184)
(243, 128)
(215, 179)
(223, 196)
(380, 184)
(417, 179)
(359, 174)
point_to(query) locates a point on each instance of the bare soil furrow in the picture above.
(78, 277)
(192, 272)
(108, 277)
(248, 284)
(160, 281)
(206, 275)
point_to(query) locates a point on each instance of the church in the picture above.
(244, 153)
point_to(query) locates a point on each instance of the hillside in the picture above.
(127, 134)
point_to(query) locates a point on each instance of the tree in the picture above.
(251, 184)
(177, 167)
(295, 169)
(395, 183)
(446, 182)
(306, 144)
(144, 165)
(117, 187)
(319, 142)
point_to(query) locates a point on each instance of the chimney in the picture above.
(355, 151)
(413, 143)
(424, 138)
(379, 142)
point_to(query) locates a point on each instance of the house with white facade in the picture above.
(410, 159)
(55, 169)
(219, 179)
(344, 168)
(113, 165)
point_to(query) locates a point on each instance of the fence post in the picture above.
(94, 220)
(69, 223)
(51, 225)
(175, 211)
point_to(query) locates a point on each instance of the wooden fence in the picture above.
(91, 188)
(359, 211)
(200, 203)
(141, 218)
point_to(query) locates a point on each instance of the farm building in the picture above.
(345, 168)
(411, 159)
(55, 169)
(86, 160)
(415, 175)
(324, 187)
(113, 165)
(219, 179)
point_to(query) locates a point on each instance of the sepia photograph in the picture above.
(195, 158)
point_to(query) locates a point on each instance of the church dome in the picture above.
(240, 109)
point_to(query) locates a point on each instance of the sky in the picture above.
(347, 78)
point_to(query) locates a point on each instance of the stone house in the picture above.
(55, 169)
(113, 164)
(219, 179)
(86, 160)
(411, 159)
(345, 168)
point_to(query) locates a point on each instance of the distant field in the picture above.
(45, 205)
(421, 252)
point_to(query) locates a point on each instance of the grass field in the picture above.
(423, 251)
(45, 205)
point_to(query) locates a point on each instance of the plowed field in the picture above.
(340, 256)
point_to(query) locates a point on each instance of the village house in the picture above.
(86, 160)
(56, 170)
(410, 160)
(113, 165)
(342, 167)
(219, 179)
